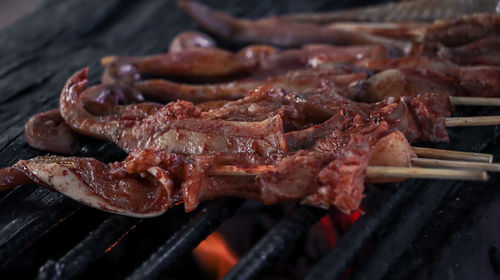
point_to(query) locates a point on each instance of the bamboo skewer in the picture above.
(452, 155)
(472, 121)
(474, 101)
(424, 173)
(371, 172)
(425, 162)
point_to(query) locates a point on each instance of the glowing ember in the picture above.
(214, 255)
(355, 216)
(329, 230)
(344, 221)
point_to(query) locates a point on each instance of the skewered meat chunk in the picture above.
(342, 180)
(391, 150)
(198, 63)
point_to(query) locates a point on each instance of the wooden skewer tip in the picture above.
(472, 121)
(452, 155)
(474, 101)
(467, 165)
(424, 173)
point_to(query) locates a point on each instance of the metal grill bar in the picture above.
(403, 229)
(27, 215)
(453, 212)
(335, 263)
(186, 239)
(276, 242)
(456, 209)
(89, 249)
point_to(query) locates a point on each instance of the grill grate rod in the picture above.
(276, 242)
(89, 249)
(27, 215)
(403, 228)
(186, 239)
(453, 212)
(464, 204)
(334, 264)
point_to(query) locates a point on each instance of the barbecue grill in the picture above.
(428, 229)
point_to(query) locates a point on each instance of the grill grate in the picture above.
(336, 262)
(277, 242)
(403, 229)
(186, 239)
(27, 215)
(88, 250)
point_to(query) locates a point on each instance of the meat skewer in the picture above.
(298, 81)
(354, 85)
(216, 65)
(401, 76)
(181, 119)
(160, 170)
(275, 32)
(408, 11)
(338, 184)
(299, 32)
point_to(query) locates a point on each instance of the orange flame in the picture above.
(214, 255)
